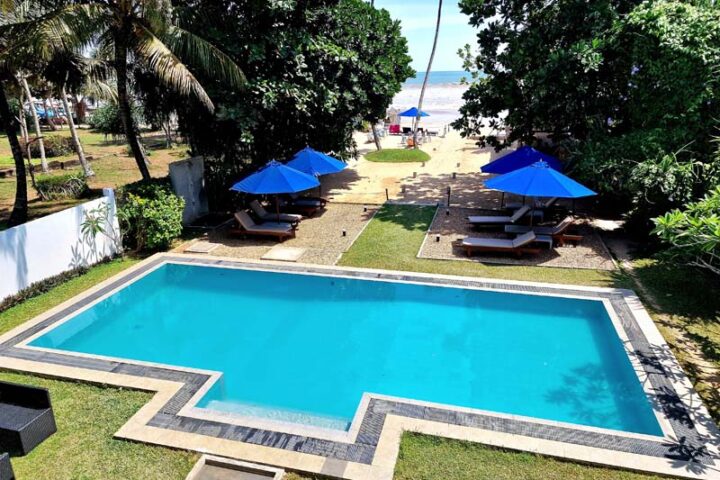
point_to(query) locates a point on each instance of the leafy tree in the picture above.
(630, 88)
(146, 32)
(315, 70)
(693, 233)
(30, 34)
(553, 67)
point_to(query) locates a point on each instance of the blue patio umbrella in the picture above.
(315, 163)
(275, 178)
(413, 112)
(539, 180)
(522, 157)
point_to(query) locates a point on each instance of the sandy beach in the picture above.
(366, 182)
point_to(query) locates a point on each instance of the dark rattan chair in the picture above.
(26, 418)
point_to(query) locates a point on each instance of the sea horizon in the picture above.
(440, 77)
(443, 96)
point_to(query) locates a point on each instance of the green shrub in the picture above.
(150, 215)
(106, 120)
(55, 146)
(56, 187)
(693, 233)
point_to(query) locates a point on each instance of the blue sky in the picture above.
(418, 24)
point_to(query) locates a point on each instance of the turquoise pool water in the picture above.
(304, 348)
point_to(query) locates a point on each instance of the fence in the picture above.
(69, 239)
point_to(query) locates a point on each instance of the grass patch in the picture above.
(424, 457)
(392, 239)
(88, 415)
(398, 155)
(84, 448)
(687, 310)
(112, 165)
(14, 316)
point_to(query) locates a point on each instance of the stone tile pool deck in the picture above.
(369, 450)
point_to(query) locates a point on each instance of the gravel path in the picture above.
(320, 236)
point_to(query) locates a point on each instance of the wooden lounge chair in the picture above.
(517, 246)
(499, 220)
(558, 233)
(307, 206)
(246, 226)
(265, 216)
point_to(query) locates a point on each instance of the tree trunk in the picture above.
(427, 74)
(23, 126)
(375, 136)
(79, 104)
(76, 139)
(56, 114)
(51, 123)
(20, 208)
(36, 121)
(124, 105)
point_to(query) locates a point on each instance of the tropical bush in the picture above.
(55, 146)
(56, 187)
(693, 233)
(150, 215)
(106, 120)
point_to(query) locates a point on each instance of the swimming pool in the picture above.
(304, 348)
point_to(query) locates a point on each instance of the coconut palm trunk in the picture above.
(20, 209)
(36, 121)
(48, 111)
(427, 75)
(75, 138)
(121, 52)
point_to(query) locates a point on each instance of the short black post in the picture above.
(448, 195)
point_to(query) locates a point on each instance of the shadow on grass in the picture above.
(411, 218)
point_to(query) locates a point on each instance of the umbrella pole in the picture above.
(277, 207)
(502, 200)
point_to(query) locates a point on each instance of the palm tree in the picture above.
(143, 30)
(29, 34)
(36, 122)
(427, 74)
(70, 70)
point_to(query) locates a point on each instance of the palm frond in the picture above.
(204, 55)
(70, 27)
(169, 69)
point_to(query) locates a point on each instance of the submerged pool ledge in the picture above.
(687, 447)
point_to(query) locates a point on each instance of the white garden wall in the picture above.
(54, 244)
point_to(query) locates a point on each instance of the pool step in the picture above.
(210, 467)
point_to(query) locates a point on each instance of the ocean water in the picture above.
(304, 348)
(443, 97)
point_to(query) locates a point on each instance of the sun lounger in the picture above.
(488, 220)
(517, 246)
(246, 226)
(307, 206)
(538, 205)
(266, 216)
(558, 233)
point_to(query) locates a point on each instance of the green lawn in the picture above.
(112, 165)
(89, 415)
(392, 240)
(398, 155)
